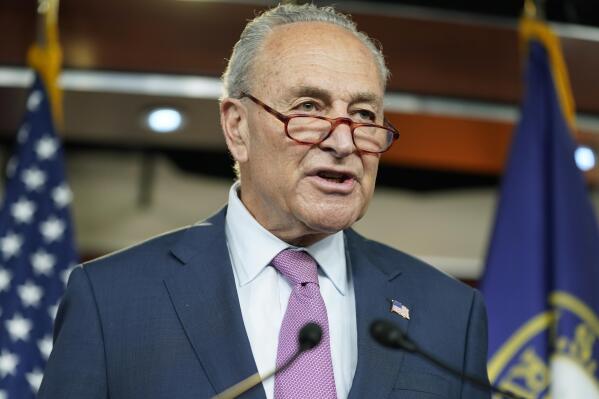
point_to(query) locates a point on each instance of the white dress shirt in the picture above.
(264, 292)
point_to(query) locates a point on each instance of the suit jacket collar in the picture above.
(376, 282)
(205, 298)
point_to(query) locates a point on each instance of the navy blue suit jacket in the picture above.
(162, 320)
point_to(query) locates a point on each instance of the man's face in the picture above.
(302, 193)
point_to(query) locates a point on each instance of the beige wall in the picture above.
(449, 229)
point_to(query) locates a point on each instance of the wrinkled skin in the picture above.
(316, 68)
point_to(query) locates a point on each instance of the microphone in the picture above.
(308, 338)
(389, 335)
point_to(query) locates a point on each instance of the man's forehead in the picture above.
(317, 59)
(306, 38)
(307, 30)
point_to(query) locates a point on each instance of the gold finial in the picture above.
(47, 19)
(530, 9)
(48, 9)
(45, 56)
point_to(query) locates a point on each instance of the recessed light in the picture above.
(585, 158)
(164, 120)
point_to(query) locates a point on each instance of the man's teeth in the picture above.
(339, 178)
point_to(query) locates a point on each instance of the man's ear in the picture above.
(233, 119)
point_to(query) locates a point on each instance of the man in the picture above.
(190, 313)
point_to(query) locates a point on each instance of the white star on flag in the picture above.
(35, 379)
(52, 229)
(23, 210)
(30, 294)
(33, 178)
(34, 100)
(8, 363)
(18, 328)
(5, 278)
(43, 262)
(62, 195)
(10, 245)
(3, 394)
(45, 346)
(46, 147)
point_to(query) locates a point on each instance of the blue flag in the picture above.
(541, 282)
(36, 249)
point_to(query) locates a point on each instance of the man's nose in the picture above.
(340, 141)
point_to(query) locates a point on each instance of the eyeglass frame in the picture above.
(335, 122)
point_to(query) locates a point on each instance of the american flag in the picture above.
(400, 309)
(37, 249)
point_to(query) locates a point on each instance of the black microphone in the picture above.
(391, 336)
(308, 338)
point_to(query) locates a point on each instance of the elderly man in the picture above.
(192, 312)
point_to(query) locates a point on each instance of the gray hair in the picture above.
(236, 76)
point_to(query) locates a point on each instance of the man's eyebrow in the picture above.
(367, 97)
(311, 91)
(327, 97)
(364, 97)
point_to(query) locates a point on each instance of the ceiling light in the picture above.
(585, 158)
(164, 120)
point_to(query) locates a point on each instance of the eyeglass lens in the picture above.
(314, 130)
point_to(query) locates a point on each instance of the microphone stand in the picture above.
(253, 380)
(391, 336)
(309, 337)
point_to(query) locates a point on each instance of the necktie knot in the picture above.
(298, 267)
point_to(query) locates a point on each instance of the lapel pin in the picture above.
(400, 309)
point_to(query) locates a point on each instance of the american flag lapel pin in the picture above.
(400, 309)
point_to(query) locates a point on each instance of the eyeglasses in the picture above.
(313, 129)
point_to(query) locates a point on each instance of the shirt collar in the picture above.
(251, 256)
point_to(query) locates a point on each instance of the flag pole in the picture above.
(533, 27)
(45, 55)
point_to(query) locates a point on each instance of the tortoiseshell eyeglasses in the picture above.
(314, 129)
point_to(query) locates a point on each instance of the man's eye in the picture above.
(366, 115)
(307, 107)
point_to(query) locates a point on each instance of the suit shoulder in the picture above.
(156, 258)
(394, 261)
(152, 248)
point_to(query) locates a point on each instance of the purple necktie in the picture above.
(311, 375)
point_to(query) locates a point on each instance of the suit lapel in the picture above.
(205, 298)
(375, 285)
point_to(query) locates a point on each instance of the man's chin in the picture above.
(330, 222)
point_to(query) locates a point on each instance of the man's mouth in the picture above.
(337, 177)
(333, 181)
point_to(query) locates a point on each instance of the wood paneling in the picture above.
(441, 142)
(460, 144)
(450, 58)
(454, 58)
